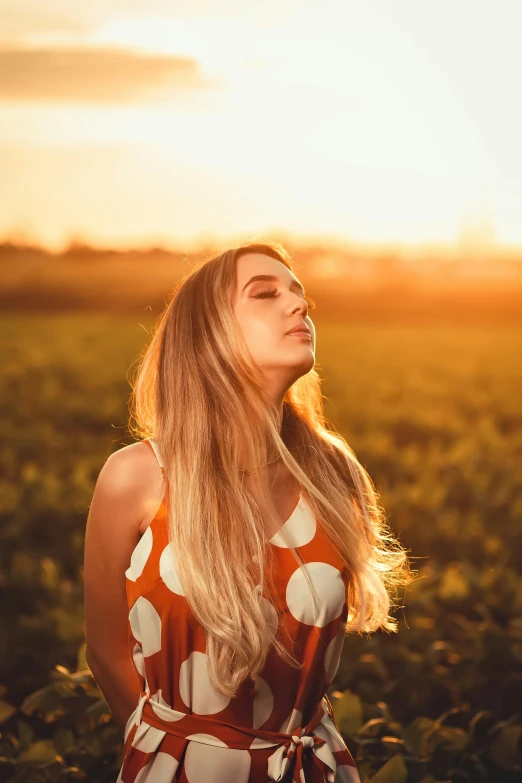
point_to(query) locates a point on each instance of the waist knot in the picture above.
(152, 711)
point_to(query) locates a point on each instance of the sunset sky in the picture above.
(389, 120)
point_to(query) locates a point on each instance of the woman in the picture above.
(229, 550)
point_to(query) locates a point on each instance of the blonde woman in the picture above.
(231, 548)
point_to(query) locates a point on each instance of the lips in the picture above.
(301, 329)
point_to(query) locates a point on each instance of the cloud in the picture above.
(108, 75)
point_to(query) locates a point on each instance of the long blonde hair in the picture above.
(198, 393)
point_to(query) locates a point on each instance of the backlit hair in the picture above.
(199, 395)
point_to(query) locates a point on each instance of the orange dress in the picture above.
(280, 728)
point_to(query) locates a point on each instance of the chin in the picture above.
(307, 364)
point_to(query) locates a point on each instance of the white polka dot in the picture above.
(327, 731)
(292, 722)
(147, 738)
(157, 698)
(145, 624)
(140, 556)
(139, 661)
(299, 528)
(195, 688)
(169, 572)
(164, 710)
(263, 702)
(332, 655)
(329, 586)
(347, 774)
(162, 766)
(216, 763)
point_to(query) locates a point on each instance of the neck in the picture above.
(271, 462)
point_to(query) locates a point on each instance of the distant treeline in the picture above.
(344, 284)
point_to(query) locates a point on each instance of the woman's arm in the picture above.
(116, 512)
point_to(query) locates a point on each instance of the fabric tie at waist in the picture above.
(152, 711)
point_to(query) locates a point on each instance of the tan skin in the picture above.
(264, 321)
(129, 488)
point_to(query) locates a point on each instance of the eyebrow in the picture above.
(274, 279)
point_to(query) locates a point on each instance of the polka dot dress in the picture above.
(279, 728)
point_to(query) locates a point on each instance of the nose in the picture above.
(301, 306)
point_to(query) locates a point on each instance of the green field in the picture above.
(433, 412)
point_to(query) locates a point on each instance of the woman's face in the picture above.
(266, 310)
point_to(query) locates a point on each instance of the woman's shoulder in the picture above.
(128, 463)
(133, 474)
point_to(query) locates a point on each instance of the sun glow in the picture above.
(350, 127)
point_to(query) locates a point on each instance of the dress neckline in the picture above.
(158, 514)
(292, 515)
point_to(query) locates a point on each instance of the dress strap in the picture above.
(154, 446)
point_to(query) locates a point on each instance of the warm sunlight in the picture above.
(328, 118)
(266, 251)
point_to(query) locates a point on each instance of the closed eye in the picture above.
(266, 294)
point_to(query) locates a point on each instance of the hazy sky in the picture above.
(393, 120)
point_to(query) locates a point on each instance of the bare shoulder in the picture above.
(123, 469)
(132, 477)
(127, 488)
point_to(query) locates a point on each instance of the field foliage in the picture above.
(433, 411)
